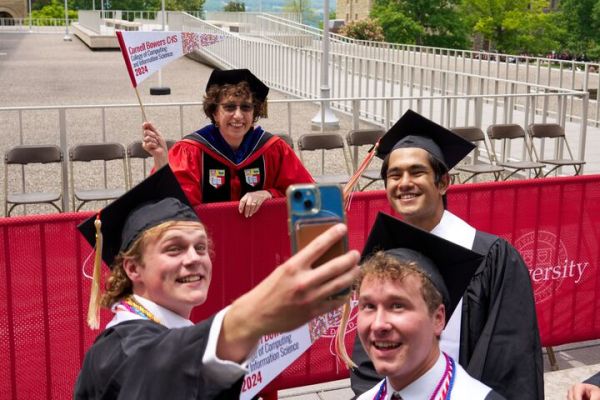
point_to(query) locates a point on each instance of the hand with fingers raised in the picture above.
(293, 294)
(154, 143)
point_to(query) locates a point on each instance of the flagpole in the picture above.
(140, 101)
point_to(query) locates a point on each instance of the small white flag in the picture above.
(147, 52)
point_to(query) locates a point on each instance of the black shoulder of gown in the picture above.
(141, 359)
(500, 343)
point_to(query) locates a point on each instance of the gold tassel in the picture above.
(340, 344)
(93, 318)
(349, 188)
(264, 110)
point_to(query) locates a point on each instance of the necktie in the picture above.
(396, 396)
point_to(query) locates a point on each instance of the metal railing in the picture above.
(249, 18)
(37, 25)
(449, 110)
(296, 71)
(306, 42)
(550, 72)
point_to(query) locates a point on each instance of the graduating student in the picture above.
(230, 159)
(159, 255)
(409, 284)
(493, 333)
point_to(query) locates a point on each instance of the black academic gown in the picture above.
(499, 337)
(140, 359)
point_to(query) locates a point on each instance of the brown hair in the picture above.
(118, 284)
(216, 93)
(387, 267)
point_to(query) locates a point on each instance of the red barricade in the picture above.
(555, 223)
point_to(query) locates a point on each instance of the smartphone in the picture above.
(312, 209)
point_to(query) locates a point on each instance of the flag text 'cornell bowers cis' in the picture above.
(147, 52)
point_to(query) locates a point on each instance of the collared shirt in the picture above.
(464, 387)
(223, 372)
(459, 232)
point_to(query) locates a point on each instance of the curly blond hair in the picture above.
(118, 284)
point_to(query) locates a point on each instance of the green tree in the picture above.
(581, 22)
(424, 22)
(235, 6)
(136, 5)
(185, 5)
(364, 29)
(397, 27)
(55, 9)
(332, 16)
(514, 26)
(39, 4)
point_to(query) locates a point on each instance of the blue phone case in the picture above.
(312, 204)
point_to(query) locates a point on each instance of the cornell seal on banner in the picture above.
(548, 263)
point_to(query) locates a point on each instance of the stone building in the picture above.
(351, 10)
(13, 8)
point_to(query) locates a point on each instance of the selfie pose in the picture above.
(230, 159)
(407, 289)
(159, 255)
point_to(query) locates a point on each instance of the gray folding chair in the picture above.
(477, 167)
(557, 133)
(96, 152)
(508, 134)
(135, 150)
(323, 142)
(356, 138)
(26, 155)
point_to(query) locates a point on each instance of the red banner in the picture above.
(553, 222)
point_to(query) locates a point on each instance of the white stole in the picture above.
(459, 232)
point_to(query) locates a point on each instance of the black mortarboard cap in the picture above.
(414, 130)
(155, 200)
(449, 266)
(233, 76)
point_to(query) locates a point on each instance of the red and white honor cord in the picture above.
(443, 388)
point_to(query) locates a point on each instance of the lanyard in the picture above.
(130, 304)
(443, 388)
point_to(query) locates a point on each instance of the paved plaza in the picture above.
(43, 70)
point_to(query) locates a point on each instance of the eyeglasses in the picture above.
(231, 107)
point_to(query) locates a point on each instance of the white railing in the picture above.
(296, 71)
(65, 125)
(138, 15)
(551, 72)
(37, 25)
(249, 17)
